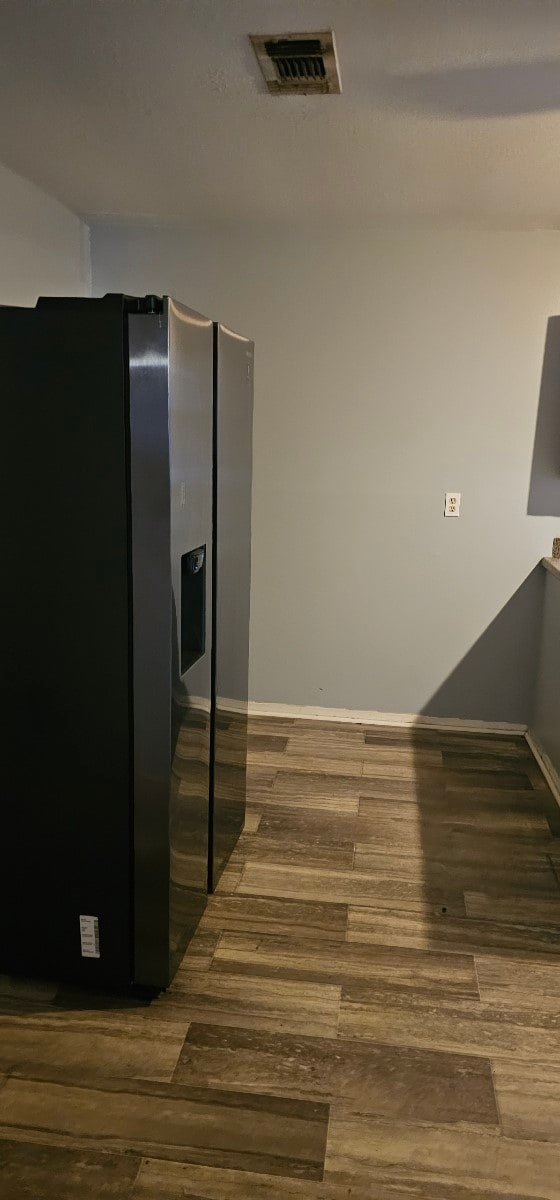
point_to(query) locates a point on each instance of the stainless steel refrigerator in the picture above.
(127, 494)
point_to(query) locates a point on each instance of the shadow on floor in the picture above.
(483, 814)
(21, 995)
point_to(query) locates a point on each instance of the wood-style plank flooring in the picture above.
(369, 1010)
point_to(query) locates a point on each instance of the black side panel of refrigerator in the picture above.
(65, 670)
(233, 423)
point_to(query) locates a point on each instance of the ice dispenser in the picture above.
(193, 606)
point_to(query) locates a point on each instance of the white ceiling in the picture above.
(450, 110)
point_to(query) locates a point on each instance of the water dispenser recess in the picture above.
(193, 606)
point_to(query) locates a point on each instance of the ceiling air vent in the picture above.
(298, 64)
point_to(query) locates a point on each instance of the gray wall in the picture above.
(545, 722)
(44, 248)
(390, 366)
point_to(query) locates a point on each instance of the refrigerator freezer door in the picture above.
(233, 423)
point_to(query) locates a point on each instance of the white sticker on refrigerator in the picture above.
(89, 937)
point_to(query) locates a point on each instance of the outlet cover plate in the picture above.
(452, 504)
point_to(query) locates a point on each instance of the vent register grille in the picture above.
(295, 61)
(298, 63)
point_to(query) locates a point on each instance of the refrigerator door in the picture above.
(171, 477)
(233, 424)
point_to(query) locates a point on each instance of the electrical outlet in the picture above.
(452, 504)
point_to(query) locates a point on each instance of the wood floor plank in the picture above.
(303, 801)
(75, 1009)
(231, 877)
(459, 760)
(394, 828)
(421, 789)
(31, 1171)
(518, 909)
(259, 778)
(423, 774)
(431, 1162)
(273, 759)
(458, 935)
(507, 982)
(486, 746)
(345, 887)
(346, 744)
(460, 1026)
(387, 1081)
(314, 790)
(304, 822)
(528, 1095)
(518, 876)
(504, 814)
(161, 1180)
(496, 780)
(257, 1002)
(349, 766)
(253, 818)
(260, 914)
(455, 842)
(52, 1043)
(262, 743)
(201, 949)
(276, 726)
(231, 1129)
(315, 852)
(336, 787)
(415, 758)
(509, 814)
(346, 963)
(446, 739)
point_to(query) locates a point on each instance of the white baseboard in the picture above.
(545, 763)
(358, 716)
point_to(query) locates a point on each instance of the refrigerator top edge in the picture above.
(150, 304)
(188, 315)
(239, 337)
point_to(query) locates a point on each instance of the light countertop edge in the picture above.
(552, 565)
